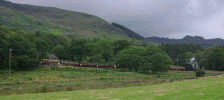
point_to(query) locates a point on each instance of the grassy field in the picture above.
(44, 79)
(207, 88)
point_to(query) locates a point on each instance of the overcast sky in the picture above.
(163, 18)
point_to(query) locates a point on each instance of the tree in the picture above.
(94, 51)
(3, 53)
(60, 52)
(156, 59)
(51, 39)
(173, 50)
(42, 46)
(24, 53)
(107, 50)
(131, 57)
(205, 58)
(76, 50)
(184, 58)
(217, 58)
(120, 45)
(160, 62)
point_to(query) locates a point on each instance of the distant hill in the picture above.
(57, 21)
(188, 39)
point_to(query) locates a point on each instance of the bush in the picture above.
(54, 67)
(171, 80)
(43, 89)
(200, 73)
(6, 71)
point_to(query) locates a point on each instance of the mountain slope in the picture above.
(188, 39)
(56, 21)
(129, 32)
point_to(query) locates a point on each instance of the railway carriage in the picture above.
(49, 62)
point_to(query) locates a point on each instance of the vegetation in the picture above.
(200, 73)
(189, 89)
(27, 48)
(144, 58)
(212, 58)
(57, 79)
(146, 64)
(57, 21)
(130, 57)
(173, 50)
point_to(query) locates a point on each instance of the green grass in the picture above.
(81, 79)
(210, 88)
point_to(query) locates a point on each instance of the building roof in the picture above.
(52, 56)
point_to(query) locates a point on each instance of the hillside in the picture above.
(188, 39)
(57, 21)
(129, 32)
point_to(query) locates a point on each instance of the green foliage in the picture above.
(51, 40)
(158, 60)
(183, 58)
(173, 50)
(131, 57)
(27, 48)
(212, 58)
(120, 45)
(200, 73)
(94, 51)
(24, 52)
(107, 50)
(43, 89)
(54, 67)
(60, 52)
(76, 50)
(145, 59)
(6, 71)
(171, 80)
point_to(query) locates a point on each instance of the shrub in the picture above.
(28, 78)
(54, 67)
(171, 80)
(43, 89)
(68, 88)
(6, 71)
(200, 73)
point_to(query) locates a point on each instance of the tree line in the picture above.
(211, 58)
(29, 48)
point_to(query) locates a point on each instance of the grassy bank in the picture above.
(44, 80)
(210, 88)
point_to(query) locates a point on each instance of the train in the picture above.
(182, 68)
(50, 62)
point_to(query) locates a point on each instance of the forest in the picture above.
(29, 48)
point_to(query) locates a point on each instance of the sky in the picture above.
(162, 18)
